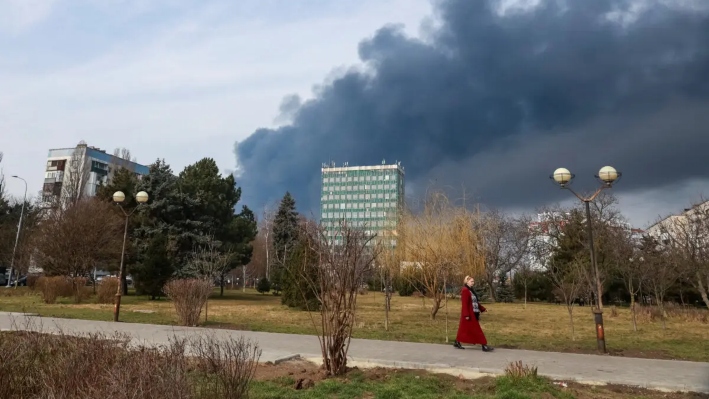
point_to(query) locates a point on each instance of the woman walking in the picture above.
(469, 330)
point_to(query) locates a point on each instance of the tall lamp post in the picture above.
(118, 198)
(607, 176)
(17, 236)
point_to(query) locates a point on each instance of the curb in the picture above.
(287, 358)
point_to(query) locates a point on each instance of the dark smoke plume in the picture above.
(495, 102)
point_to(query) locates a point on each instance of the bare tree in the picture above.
(123, 158)
(662, 271)
(341, 262)
(687, 237)
(566, 277)
(76, 177)
(211, 262)
(439, 244)
(2, 181)
(628, 265)
(506, 244)
(388, 264)
(266, 228)
(71, 241)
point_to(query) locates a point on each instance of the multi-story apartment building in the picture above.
(82, 169)
(689, 225)
(368, 197)
(549, 224)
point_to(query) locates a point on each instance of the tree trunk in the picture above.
(206, 307)
(632, 311)
(446, 305)
(221, 285)
(525, 294)
(436, 306)
(702, 290)
(571, 320)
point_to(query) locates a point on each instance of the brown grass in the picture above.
(538, 327)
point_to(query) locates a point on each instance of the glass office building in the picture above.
(368, 197)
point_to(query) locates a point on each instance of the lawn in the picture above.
(278, 382)
(537, 327)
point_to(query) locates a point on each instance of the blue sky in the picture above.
(178, 80)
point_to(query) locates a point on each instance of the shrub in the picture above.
(188, 296)
(106, 290)
(263, 286)
(32, 282)
(36, 365)
(78, 289)
(51, 288)
(229, 366)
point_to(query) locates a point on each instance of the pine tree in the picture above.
(504, 292)
(298, 292)
(155, 270)
(285, 234)
(263, 286)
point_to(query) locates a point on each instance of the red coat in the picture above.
(469, 331)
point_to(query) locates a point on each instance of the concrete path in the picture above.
(669, 375)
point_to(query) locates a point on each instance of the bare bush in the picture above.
(649, 314)
(51, 288)
(229, 365)
(32, 282)
(36, 365)
(79, 290)
(106, 290)
(188, 296)
(336, 264)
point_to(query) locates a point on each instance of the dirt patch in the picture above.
(610, 391)
(303, 375)
(295, 369)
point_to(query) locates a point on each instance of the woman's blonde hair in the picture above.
(466, 279)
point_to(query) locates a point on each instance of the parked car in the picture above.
(22, 282)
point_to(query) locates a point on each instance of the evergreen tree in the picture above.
(285, 234)
(504, 291)
(208, 211)
(155, 270)
(298, 292)
(263, 286)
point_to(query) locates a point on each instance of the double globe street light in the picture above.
(119, 197)
(607, 176)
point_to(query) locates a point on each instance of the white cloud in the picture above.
(17, 16)
(184, 87)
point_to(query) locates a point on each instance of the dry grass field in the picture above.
(537, 327)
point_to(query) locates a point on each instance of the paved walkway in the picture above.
(657, 374)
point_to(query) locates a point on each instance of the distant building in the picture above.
(82, 169)
(548, 224)
(368, 197)
(686, 225)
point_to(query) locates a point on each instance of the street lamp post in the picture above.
(17, 236)
(607, 176)
(118, 198)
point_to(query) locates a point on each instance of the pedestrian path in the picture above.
(671, 375)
